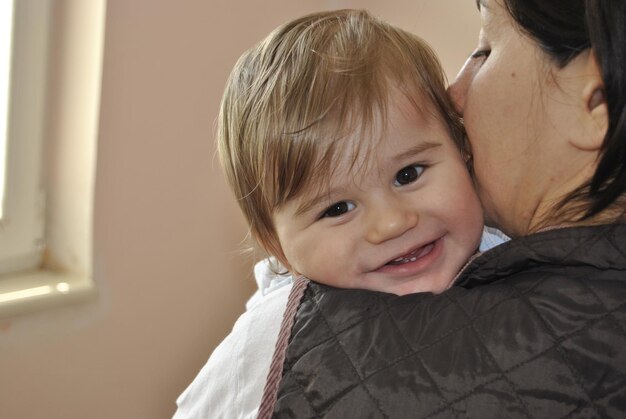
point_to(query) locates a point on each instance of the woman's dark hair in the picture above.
(565, 28)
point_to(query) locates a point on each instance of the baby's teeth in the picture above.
(414, 256)
(406, 260)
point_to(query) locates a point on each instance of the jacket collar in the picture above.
(602, 247)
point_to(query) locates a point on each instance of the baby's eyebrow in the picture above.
(416, 150)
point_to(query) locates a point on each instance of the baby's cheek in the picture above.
(326, 267)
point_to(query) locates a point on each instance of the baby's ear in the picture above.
(595, 108)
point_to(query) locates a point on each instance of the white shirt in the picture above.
(231, 383)
(491, 238)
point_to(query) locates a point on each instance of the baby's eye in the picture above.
(338, 209)
(408, 175)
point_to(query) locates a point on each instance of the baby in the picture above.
(346, 156)
(349, 164)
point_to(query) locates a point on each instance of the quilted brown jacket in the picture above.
(534, 328)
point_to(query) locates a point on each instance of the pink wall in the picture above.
(167, 230)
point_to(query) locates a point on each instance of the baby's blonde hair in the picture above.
(292, 98)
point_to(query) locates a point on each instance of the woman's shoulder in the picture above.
(556, 310)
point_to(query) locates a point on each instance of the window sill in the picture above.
(28, 292)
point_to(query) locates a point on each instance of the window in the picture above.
(52, 122)
(24, 49)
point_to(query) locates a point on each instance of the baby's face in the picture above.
(405, 222)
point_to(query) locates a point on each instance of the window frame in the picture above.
(23, 223)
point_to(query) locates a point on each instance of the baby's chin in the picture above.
(418, 286)
(399, 288)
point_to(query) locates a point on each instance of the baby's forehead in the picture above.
(369, 134)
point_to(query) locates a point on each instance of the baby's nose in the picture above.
(387, 222)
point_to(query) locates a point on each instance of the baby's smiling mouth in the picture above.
(413, 255)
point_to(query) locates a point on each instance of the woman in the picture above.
(537, 326)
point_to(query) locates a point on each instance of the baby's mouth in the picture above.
(414, 255)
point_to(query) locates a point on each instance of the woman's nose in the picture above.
(458, 89)
(388, 221)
